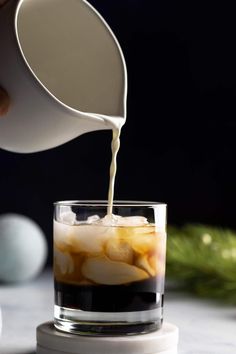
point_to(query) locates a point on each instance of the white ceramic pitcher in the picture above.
(63, 69)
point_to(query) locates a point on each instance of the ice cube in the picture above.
(144, 242)
(143, 263)
(64, 261)
(119, 250)
(67, 216)
(90, 220)
(90, 238)
(158, 265)
(101, 270)
(117, 220)
(132, 221)
(62, 234)
(93, 219)
(109, 220)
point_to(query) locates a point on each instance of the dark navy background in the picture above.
(178, 145)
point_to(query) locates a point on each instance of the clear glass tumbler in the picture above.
(109, 269)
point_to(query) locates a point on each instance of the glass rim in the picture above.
(104, 203)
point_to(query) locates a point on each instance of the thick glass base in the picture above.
(107, 323)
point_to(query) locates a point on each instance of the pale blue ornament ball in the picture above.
(23, 248)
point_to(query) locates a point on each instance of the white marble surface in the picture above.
(205, 327)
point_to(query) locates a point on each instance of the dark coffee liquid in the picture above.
(138, 296)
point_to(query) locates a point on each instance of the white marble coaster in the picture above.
(51, 341)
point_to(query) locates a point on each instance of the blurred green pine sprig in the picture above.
(202, 259)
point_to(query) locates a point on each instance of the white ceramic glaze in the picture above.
(64, 71)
